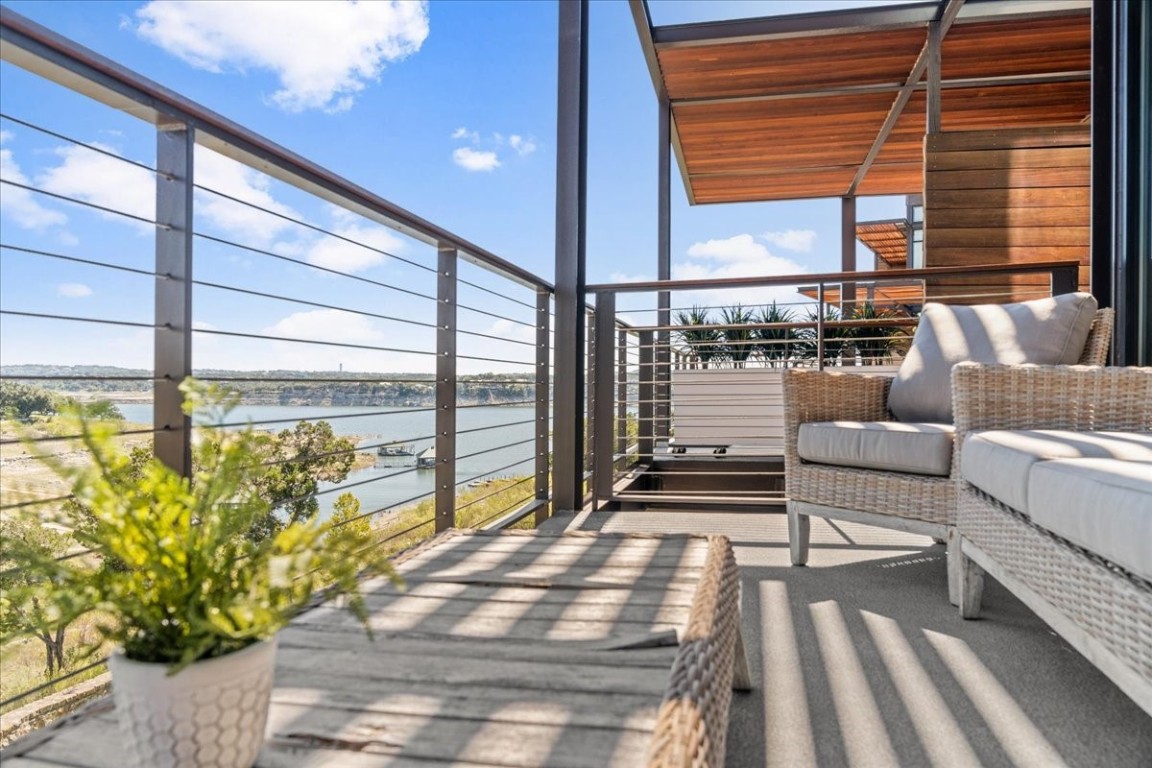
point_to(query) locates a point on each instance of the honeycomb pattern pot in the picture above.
(209, 715)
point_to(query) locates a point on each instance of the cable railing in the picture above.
(691, 411)
(384, 356)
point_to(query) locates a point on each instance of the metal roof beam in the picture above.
(893, 87)
(947, 16)
(643, 21)
(854, 20)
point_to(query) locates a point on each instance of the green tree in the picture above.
(346, 514)
(21, 401)
(296, 461)
(24, 617)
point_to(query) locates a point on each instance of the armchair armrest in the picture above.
(986, 396)
(828, 396)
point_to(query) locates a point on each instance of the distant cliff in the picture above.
(284, 387)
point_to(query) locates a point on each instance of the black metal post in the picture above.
(1103, 127)
(605, 325)
(446, 389)
(645, 444)
(622, 395)
(571, 194)
(173, 337)
(663, 266)
(543, 379)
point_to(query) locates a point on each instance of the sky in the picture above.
(447, 109)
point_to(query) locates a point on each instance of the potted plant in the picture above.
(188, 588)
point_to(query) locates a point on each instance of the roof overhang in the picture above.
(835, 103)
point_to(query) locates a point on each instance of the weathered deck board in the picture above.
(502, 651)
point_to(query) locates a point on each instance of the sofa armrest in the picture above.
(1075, 397)
(827, 396)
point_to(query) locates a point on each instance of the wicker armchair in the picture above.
(1101, 609)
(917, 503)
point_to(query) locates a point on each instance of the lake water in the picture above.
(491, 444)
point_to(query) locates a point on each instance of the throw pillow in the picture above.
(1049, 331)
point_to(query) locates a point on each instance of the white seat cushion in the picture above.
(894, 446)
(1104, 505)
(998, 461)
(1049, 331)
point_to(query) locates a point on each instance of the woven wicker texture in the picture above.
(692, 724)
(825, 396)
(1109, 604)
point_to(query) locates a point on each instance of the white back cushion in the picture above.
(1048, 331)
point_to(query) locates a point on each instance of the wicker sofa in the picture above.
(1055, 502)
(920, 501)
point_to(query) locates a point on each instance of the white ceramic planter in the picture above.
(209, 715)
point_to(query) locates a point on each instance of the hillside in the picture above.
(283, 387)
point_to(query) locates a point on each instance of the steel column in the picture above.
(173, 335)
(847, 252)
(590, 400)
(605, 326)
(645, 444)
(543, 379)
(664, 265)
(1103, 126)
(571, 194)
(446, 389)
(622, 395)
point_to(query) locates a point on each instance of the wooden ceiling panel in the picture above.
(789, 65)
(1020, 47)
(887, 239)
(794, 184)
(893, 179)
(775, 131)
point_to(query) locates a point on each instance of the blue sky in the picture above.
(447, 109)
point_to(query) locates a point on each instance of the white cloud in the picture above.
(622, 277)
(248, 224)
(20, 204)
(522, 145)
(73, 290)
(800, 240)
(738, 256)
(99, 179)
(106, 181)
(472, 160)
(343, 256)
(464, 133)
(323, 52)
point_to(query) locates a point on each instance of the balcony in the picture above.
(489, 397)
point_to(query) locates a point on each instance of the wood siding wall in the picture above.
(1015, 196)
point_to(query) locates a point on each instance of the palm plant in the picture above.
(873, 342)
(706, 343)
(836, 338)
(738, 337)
(776, 344)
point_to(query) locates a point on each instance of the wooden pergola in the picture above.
(836, 104)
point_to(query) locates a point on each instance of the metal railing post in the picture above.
(601, 409)
(646, 444)
(590, 395)
(446, 389)
(820, 326)
(173, 335)
(622, 395)
(543, 404)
